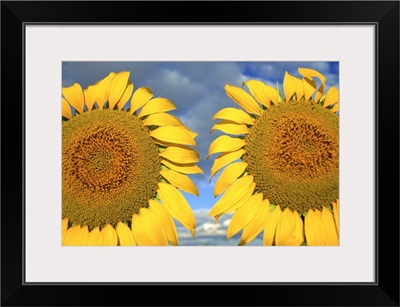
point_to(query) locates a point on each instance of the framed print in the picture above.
(248, 152)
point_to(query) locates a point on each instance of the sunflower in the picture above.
(122, 168)
(280, 167)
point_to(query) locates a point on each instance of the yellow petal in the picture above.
(329, 228)
(167, 222)
(187, 168)
(95, 237)
(224, 159)
(292, 85)
(309, 87)
(335, 108)
(225, 143)
(76, 236)
(262, 92)
(176, 135)
(251, 231)
(140, 97)
(310, 73)
(191, 133)
(156, 105)
(180, 154)
(232, 207)
(161, 119)
(164, 145)
(335, 206)
(243, 99)
(234, 115)
(180, 181)
(83, 236)
(177, 206)
(270, 225)
(289, 230)
(298, 236)
(70, 235)
(332, 97)
(117, 87)
(299, 89)
(142, 236)
(147, 229)
(313, 229)
(257, 89)
(65, 109)
(230, 127)
(64, 226)
(125, 235)
(90, 97)
(154, 225)
(103, 90)
(244, 215)
(273, 94)
(217, 217)
(125, 97)
(229, 175)
(109, 234)
(233, 195)
(284, 227)
(74, 96)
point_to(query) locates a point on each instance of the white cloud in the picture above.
(227, 222)
(210, 229)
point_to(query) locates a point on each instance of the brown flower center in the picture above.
(293, 153)
(110, 167)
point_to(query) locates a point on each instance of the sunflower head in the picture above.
(124, 166)
(280, 166)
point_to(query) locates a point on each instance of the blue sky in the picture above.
(197, 90)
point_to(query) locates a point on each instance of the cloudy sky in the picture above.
(197, 90)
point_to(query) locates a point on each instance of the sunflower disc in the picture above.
(110, 168)
(293, 153)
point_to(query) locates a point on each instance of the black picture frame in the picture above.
(384, 15)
